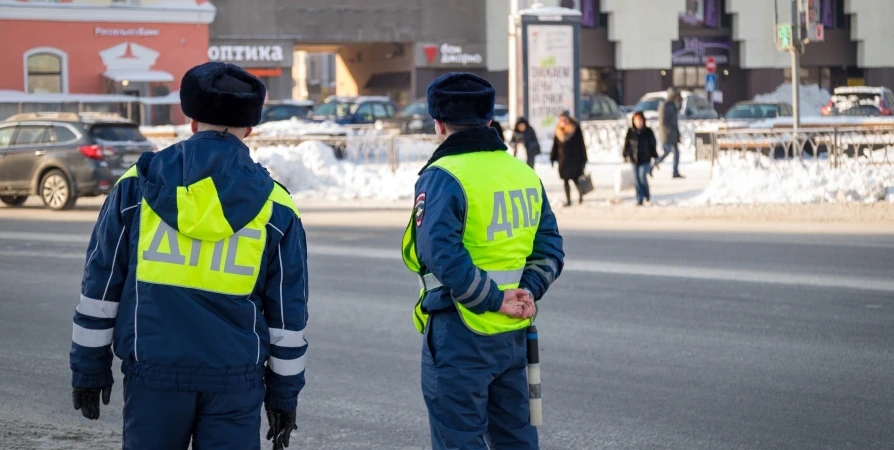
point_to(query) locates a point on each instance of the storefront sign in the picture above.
(449, 55)
(550, 74)
(255, 54)
(691, 51)
(701, 13)
(126, 32)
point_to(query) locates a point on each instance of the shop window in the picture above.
(690, 77)
(46, 71)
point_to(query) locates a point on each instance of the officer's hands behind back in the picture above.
(87, 400)
(518, 303)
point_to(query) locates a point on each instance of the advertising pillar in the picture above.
(550, 66)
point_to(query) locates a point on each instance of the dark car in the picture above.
(413, 119)
(63, 156)
(286, 110)
(758, 111)
(860, 101)
(599, 107)
(355, 110)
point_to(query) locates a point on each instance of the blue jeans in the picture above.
(668, 149)
(641, 172)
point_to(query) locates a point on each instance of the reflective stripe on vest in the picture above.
(429, 281)
(503, 208)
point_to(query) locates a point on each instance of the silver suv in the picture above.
(63, 156)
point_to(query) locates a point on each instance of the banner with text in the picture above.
(550, 75)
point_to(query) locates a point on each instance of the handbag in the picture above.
(585, 184)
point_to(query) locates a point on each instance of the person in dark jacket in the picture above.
(499, 129)
(196, 273)
(669, 128)
(640, 148)
(570, 151)
(523, 134)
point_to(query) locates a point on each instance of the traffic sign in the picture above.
(784, 36)
(711, 64)
(711, 82)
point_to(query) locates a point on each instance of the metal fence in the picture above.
(835, 147)
(606, 137)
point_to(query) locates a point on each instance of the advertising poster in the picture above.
(701, 13)
(550, 89)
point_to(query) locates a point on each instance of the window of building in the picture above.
(46, 71)
(689, 77)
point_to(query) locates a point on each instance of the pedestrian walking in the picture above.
(525, 136)
(669, 128)
(197, 274)
(640, 148)
(570, 151)
(485, 245)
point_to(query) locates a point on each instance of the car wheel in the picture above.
(56, 191)
(13, 200)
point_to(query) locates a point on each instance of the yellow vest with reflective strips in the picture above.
(503, 209)
(229, 266)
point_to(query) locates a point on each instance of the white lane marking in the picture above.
(573, 265)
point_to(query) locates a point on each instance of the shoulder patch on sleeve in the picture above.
(419, 209)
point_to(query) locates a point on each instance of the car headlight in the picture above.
(379, 125)
(415, 124)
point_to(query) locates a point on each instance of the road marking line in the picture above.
(585, 266)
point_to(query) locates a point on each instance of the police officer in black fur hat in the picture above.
(197, 274)
(485, 246)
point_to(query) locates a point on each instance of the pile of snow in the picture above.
(310, 170)
(797, 183)
(295, 127)
(167, 130)
(813, 98)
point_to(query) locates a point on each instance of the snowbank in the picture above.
(295, 127)
(310, 170)
(813, 98)
(796, 183)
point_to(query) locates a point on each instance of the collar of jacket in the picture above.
(472, 140)
(220, 136)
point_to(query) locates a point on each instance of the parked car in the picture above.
(413, 119)
(63, 156)
(694, 106)
(860, 101)
(750, 110)
(355, 110)
(599, 107)
(286, 110)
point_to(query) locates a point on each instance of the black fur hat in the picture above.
(461, 99)
(223, 94)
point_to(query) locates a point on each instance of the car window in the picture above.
(63, 134)
(392, 110)
(278, 113)
(117, 133)
(649, 104)
(30, 135)
(379, 111)
(365, 111)
(6, 136)
(415, 109)
(336, 108)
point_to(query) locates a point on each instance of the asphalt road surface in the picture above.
(649, 341)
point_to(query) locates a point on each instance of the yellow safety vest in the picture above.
(503, 209)
(229, 265)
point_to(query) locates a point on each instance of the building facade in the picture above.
(140, 48)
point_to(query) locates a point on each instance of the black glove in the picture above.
(282, 423)
(87, 400)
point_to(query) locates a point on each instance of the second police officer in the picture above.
(485, 245)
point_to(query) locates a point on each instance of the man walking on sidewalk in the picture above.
(669, 128)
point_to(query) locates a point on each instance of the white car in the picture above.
(694, 107)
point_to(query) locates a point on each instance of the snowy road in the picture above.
(649, 341)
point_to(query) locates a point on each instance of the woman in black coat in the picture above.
(640, 148)
(570, 151)
(523, 134)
